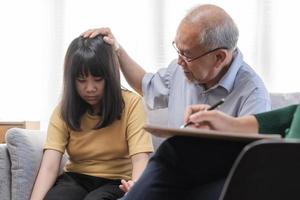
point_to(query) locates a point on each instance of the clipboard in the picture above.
(166, 132)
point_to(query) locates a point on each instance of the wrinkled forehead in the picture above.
(187, 36)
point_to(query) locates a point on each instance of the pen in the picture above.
(217, 104)
(210, 108)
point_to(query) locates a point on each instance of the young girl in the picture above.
(100, 127)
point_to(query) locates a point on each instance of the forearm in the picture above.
(247, 124)
(132, 71)
(43, 183)
(47, 174)
(139, 164)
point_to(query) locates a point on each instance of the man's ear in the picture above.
(220, 57)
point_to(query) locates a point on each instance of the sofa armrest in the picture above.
(25, 151)
(5, 175)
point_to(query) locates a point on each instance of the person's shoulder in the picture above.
(173, 66)
(130, 96)
(132, 101)
(248, 83)
(57, 109)
(248, 75)
(56, 113)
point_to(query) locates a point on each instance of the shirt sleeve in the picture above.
(57, 134)
(139, 141)
(276, 121)
(258, 101)
(156, 87)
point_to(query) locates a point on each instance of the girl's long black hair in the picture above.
(91, 56)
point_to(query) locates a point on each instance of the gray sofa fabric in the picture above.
(24, 154)
(280, 100)
(5, 173)
(25, 150)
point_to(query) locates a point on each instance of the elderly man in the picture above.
(209, 67)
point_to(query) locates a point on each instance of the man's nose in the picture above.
(181, 61)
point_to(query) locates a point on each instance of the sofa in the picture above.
(20, 157)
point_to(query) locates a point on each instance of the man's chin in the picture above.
(190, 78)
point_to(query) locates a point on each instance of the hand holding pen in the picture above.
(214, 106)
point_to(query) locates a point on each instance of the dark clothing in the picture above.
(74, 186)
(195, 168)
(284, 121)
(186, 168)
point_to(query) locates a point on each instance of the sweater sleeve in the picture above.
(294, 131)
(276, 121)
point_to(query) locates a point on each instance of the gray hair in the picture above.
(223, 34)
(217, 28)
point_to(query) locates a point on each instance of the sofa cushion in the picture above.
(25, 150)
(284, 99)
(4, 173)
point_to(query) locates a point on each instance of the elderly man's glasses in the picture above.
(188, 59)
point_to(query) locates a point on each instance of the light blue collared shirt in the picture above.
(243, 89)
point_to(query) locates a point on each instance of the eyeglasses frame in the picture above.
(197, 57)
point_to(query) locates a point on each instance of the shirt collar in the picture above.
(227, 81)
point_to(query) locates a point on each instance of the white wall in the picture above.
(35, 35)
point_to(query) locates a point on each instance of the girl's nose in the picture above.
(90, 87)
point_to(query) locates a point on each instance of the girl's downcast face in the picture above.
(90, 89)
